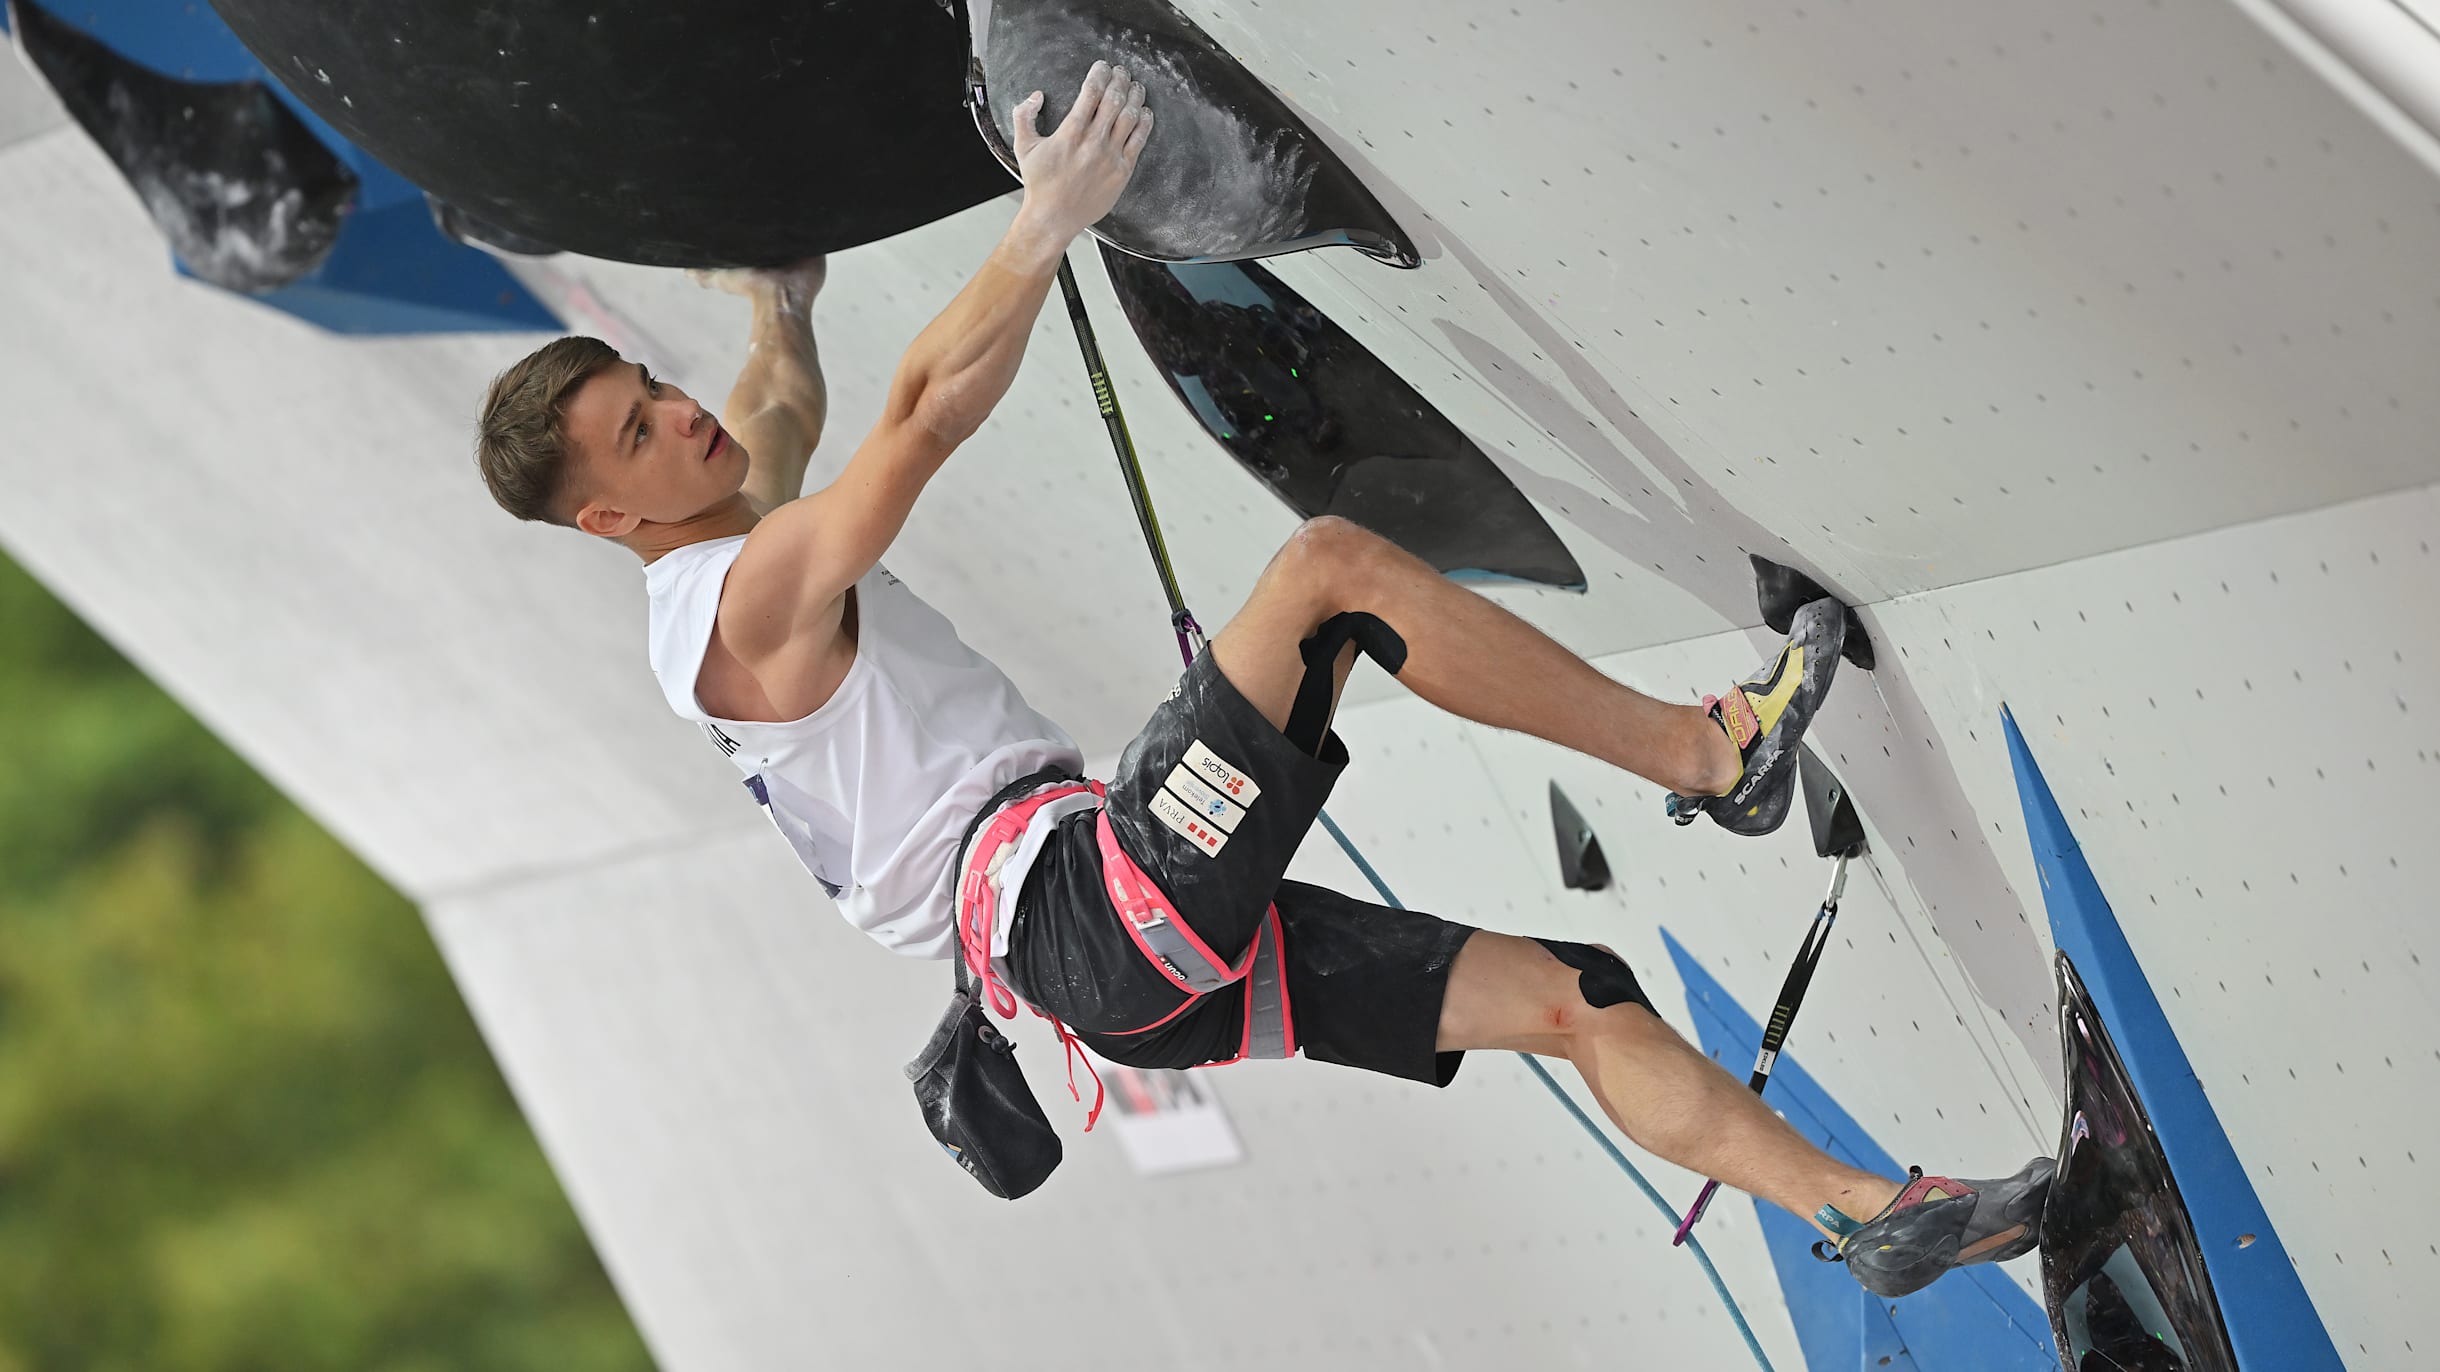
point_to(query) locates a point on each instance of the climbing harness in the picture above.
(1159, 931)
(978, 904)
(1165, 939)
(1191, 641)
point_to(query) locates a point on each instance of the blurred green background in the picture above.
(245, 1120)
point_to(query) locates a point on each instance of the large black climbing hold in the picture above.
(2123, 1273)
(1581, 864)
(696, 134)
(249, 198)
(1838, 831)
(1783, 590)
(1329, 427)
(1229, 171)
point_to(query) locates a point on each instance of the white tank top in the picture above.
(875, 788)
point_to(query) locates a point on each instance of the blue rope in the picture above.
(1600, 1136)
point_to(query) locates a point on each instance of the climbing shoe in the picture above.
(1937, 1223)
(1765, 716)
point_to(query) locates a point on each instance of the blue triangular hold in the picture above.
(2271, 1320)
(1974, 1317)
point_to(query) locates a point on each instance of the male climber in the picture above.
(946, 816)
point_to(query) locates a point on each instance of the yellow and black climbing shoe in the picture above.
(1937, 1223)
(1765, 716)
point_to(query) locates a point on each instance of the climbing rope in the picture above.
(1191, 642)
(1651, 1193)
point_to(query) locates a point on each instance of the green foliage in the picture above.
(245, 1121)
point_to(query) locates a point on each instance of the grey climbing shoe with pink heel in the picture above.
(1765, 716)
(1937, 1223)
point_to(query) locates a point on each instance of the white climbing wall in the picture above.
(2090, 347)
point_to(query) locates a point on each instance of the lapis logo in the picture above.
(1229, 780)
(1220, 775)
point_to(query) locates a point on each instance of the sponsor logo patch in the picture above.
(1170, 810)
(1222, 777)
(1216, 809)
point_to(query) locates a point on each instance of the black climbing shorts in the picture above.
(1365, 982)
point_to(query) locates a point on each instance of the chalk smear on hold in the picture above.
(1210, 183)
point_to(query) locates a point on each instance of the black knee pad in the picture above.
(1372, 637)
(1309, 717)
(1605, 981)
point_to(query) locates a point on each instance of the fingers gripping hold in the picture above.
(1026, 117)
(1136, 140)
(1074, 175)
(1123, 125)
(1605, 979)
(1117, 95)
(1088, 97)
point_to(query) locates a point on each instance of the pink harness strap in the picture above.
(1162, 935)
(1159, 932)
(978, 910)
